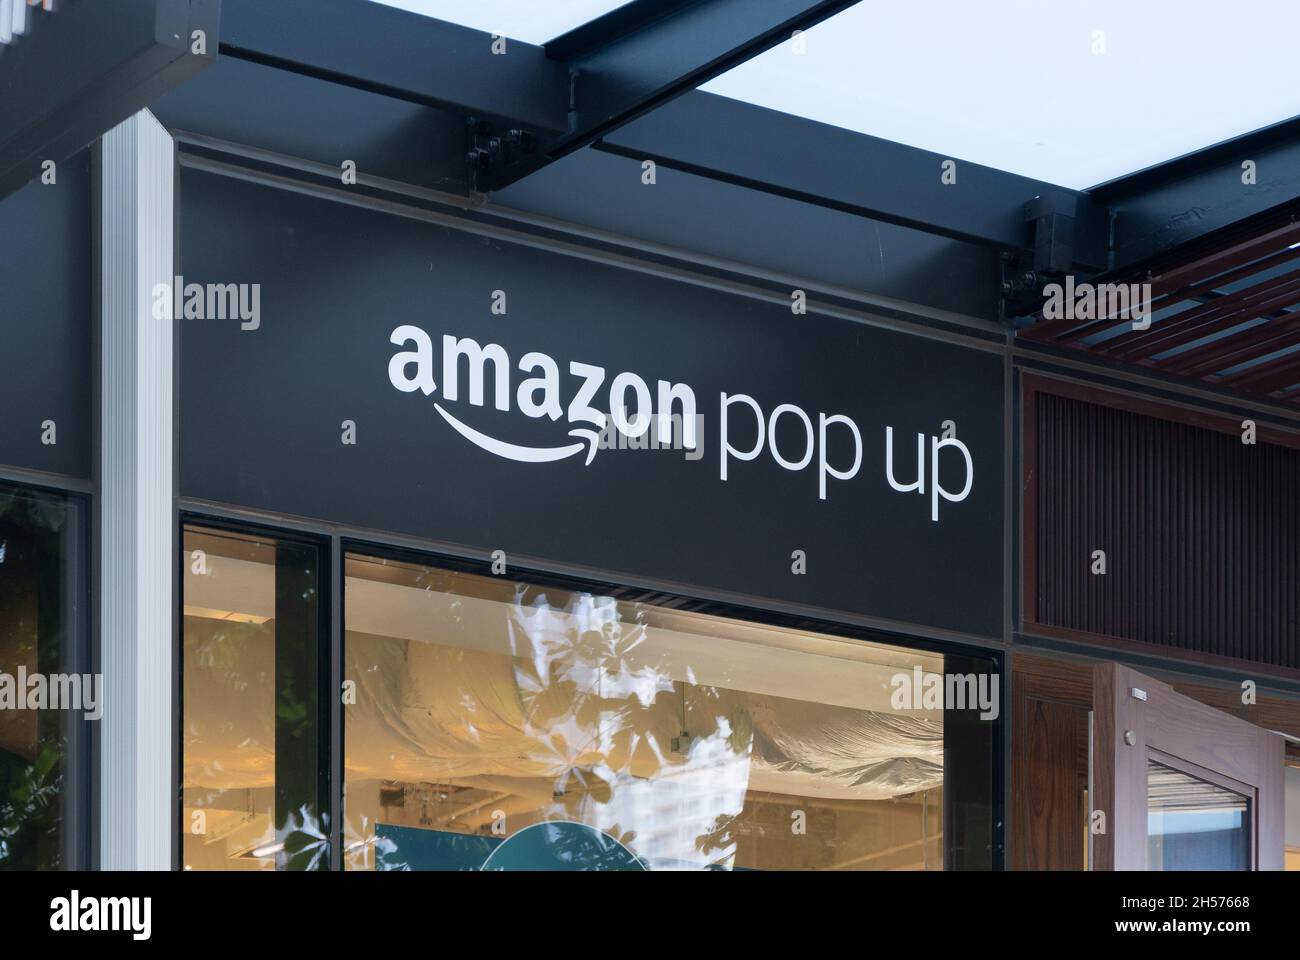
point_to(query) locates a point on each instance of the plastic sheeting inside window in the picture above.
(502, 725)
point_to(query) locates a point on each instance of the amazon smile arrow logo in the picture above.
(538, 396)
(513, 451)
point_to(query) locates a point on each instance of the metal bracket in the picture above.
(1054, 221)
(1053, 217)
(1020, 288)
(493, 149)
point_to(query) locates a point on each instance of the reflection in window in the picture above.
(43, 780)
(1193, 824)
(252, 793)
(500, 725)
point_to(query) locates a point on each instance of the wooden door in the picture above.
(1181, 785)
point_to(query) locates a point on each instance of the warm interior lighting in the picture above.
(230, 616)
(486, 707)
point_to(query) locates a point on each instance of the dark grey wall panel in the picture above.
(1201, 533)
(46, 322)
(262, 410)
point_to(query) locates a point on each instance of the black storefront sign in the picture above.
(399, 375)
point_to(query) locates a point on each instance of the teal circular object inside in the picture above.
(562, 845)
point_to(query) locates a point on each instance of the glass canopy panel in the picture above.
(528, 20)
(1074, 92)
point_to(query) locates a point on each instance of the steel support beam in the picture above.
(1210, 190)
(649, 52)
(625, 65)
(87, 66)
(404, 55)
(610, 82)
(535, 104)
(263, 112)
(624, 84)
(793, 157)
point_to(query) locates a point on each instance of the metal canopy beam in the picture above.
(258, 113)
(1214, 189)
(611, 82)
(801, 159)
(85, 67)
(534, 104)
(623, 82)
(382, 50)
(648, 52)
(404, 55)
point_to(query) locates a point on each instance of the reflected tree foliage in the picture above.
(34, 630)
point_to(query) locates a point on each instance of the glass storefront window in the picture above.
(254, 744)
(44, 710)
(496, 725)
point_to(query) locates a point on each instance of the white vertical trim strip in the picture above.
(20, 17)
(137, 496)
(7, 19)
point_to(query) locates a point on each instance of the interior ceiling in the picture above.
(1225, 312)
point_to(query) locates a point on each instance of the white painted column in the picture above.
(136, 485)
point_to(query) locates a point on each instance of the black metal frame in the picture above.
(84, 657)
(642, 55)
(731, 141)
(1190, 197)
(530, 105)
